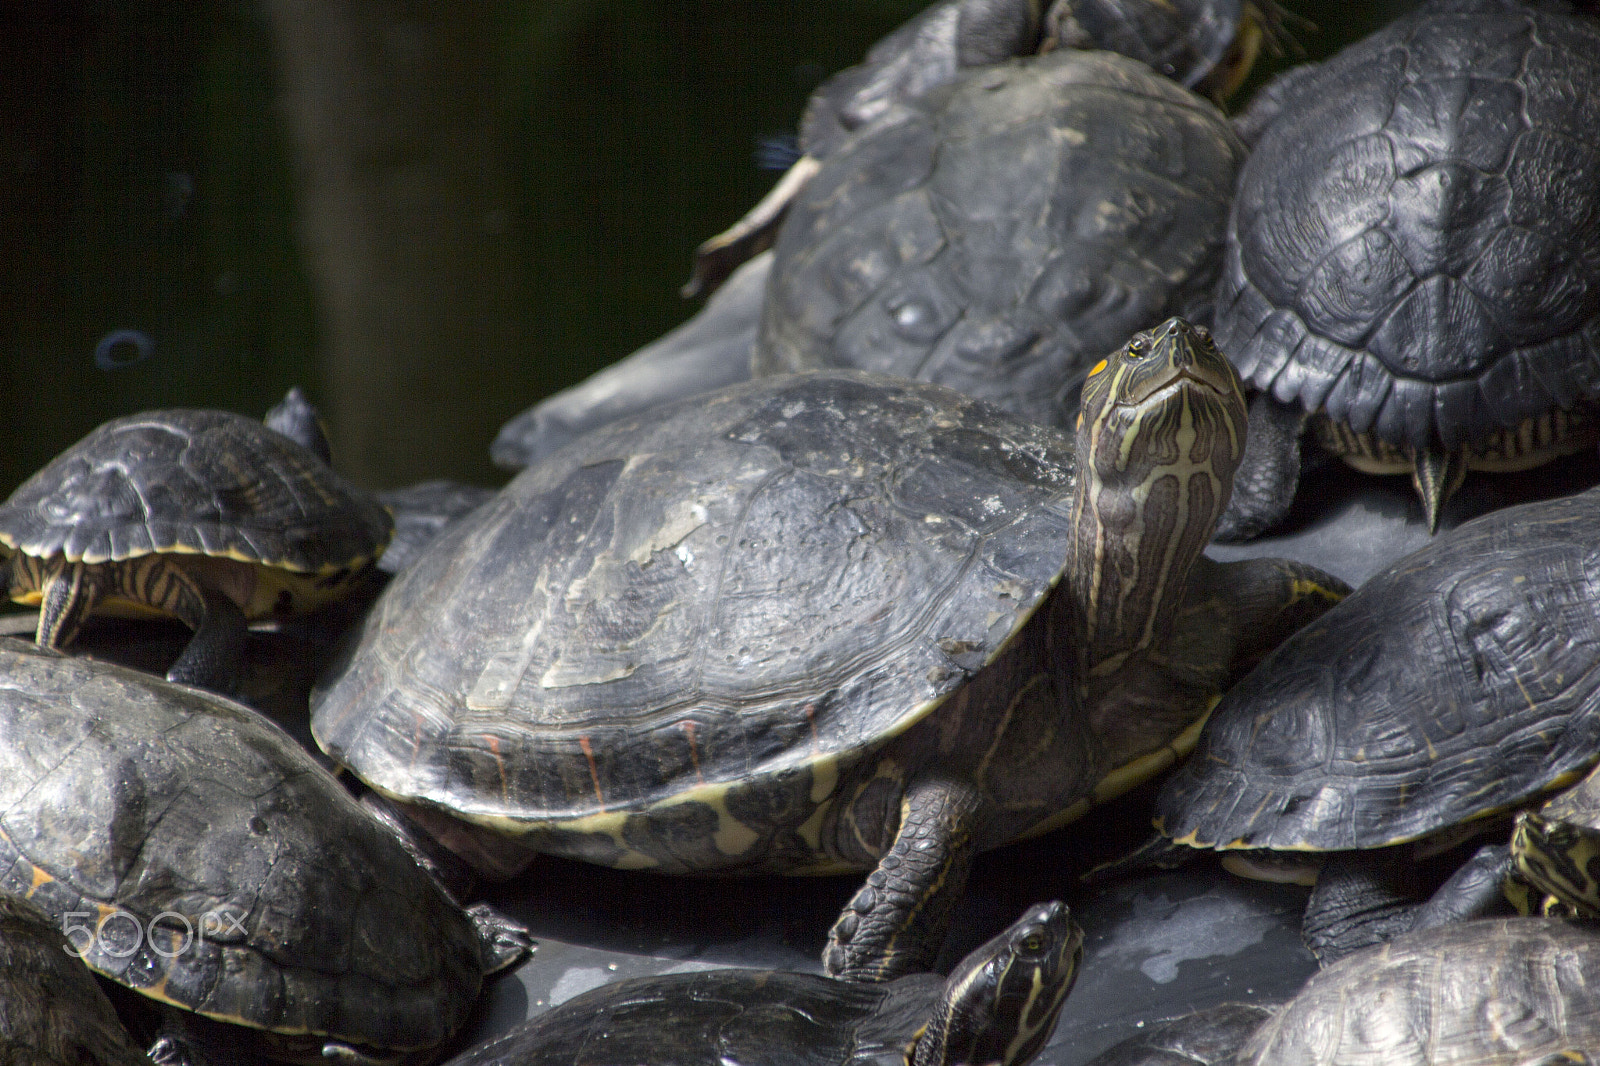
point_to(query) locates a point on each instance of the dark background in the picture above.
(151, 179)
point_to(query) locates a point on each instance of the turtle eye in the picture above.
(1032, 944)
(1137, 347)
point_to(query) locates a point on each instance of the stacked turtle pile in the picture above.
(927, 583)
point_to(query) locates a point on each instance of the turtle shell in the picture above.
(202, 858)
(195, 482)
(1001, 233)
(723, 1016)
(51, 1011)
(1510, 990)
(1462, 680)
(750, 588)
(1415, 244)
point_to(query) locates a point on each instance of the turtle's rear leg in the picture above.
(213, 655)
(896, 923)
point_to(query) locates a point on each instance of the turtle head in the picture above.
(1001, 1003)
(1161, 430)
(1560, 859)
(297, 419)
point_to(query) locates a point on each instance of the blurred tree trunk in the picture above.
(406, 223)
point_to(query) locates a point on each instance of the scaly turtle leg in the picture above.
(213, 655)
(68, 594)
(896, 923)
(1263, 487)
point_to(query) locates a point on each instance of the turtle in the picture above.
(1461, 682)
(1002, 233)
(1206, 45)
(801, 626)
(1497, 992)
(997, 1008)
(208, 516)
(1208, 1037)
(194, 853)
(1412, 270)
(52, 1013)
(1553, 854)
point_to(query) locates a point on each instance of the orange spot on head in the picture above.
(1101, 365)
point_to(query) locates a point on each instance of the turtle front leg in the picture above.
(1269, 473)
(896, 923)
(67, 595)
(213, 655)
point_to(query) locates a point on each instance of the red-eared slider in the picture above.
(208, 516)
(1555, 854)
(51, 1011)
(194, 853)
(1003, 232)
(1413, 260)
(1500, 992)
(801, 626)
(997, 1008)
(1462, 681)
(1207, 45)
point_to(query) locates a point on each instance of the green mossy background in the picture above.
(147, 183)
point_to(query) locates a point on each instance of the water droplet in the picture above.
(123, 348)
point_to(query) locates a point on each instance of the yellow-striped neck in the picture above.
(1160, 434)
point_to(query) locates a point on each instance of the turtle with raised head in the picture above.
(998, 1007)
(820, 623)
(207, 516)
(1413, 256)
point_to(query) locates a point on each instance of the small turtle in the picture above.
(1461, 682)
(195, 854)
(1206, 45)
(802, 626)
(997, 1008)
(1413, 255)
(208, 516)
(1003, 232)
(1492, 992)
(51, 1011)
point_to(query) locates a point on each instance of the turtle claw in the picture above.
(505, 941)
